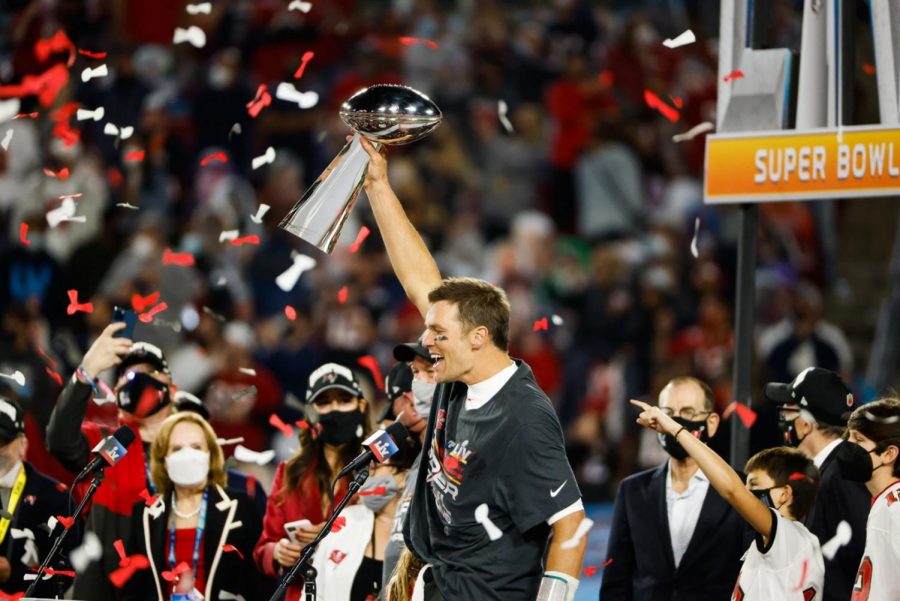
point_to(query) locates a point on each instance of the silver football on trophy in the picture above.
(383, 114)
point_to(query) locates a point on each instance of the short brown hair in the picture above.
(879, 421)
(709, 399)
(480, 303)
(160, 447)
(789, 467)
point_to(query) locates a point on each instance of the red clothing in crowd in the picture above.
(184, 552)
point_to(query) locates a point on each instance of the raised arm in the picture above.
(724, 479)
(415, 267)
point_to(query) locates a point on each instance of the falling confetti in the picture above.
(413, 41)
(683, 39)
(173, 258)
(9, 108)
(123, 133)
(264, 159)
(231, 549)
(147, 317)
(557, 320)
(229, 441)
(91, 550)
(204, 8)
(303, 7)
(676, 100)
(126, 205)
(66, 521)
(193, 35)
(287, 92)
(17, 376)
(744, 413)
(360, 237)
(251, 239)
(23, 234)
(74, 306)
(304, 60)
(290, 312)
(342, 295)
(502, 110)
(134, 156)
(94, 115)
(260, 212)
(803, 572)
(94, 55)
(369, 362)
(339, 524)
(540, 324)
(868, 69)
(174, 575)
(375, 492)
(228, 235)
(276, 422)
(216, 156)
(841, 537)
(90, 73)
(140, 303)
(654, 102)
(247, 370)
(583, 528)
(259, 102)
(62, 174)
(692, 133)
(481, 516)
(7, 138)
(694, 252)
(58, 42)
(235, 130)
(245, 455)
(56, 377)
(734, 75)
(148, 498)
(289, 277)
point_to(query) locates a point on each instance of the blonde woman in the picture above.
(198, 537)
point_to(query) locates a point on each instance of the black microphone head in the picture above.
(398, 432)
(124, 435)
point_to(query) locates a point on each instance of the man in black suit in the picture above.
(812, 415)
(673, 537)
(29, 500)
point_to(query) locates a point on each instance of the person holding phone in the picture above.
(143, 392)
(303, 484)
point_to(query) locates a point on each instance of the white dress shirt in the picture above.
(822, 455)
(683, 510)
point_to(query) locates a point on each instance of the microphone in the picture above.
(108, 452)
(380, 446)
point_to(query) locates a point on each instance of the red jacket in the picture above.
(304, 502)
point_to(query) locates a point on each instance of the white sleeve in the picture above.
(778, 549)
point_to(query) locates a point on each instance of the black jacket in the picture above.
(41, 498)
(225, 570)
(642, 565)
(839, 500)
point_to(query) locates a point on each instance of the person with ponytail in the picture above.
(302, 488)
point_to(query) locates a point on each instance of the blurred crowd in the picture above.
(549, 176)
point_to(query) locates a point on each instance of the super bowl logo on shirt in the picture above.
(445, 472)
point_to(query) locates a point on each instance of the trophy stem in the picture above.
(320, 214)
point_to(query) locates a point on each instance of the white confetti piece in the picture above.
(52, 522)
(94, 115)
(481, 516)
(264, 159)
(9, 109)
(204, 8)
(226, 235)
(245, 455)
(92, 73)
(287, 92)
(247, 370)
(692, 133)
(235, 129)
(260, 212)
(221, 281)
(557, 320)
(90, 551)
(583, 528)
(227, 441)
(694, 250)
(64, 212)
(227, 596)
(17, 376)
(288, 279)
(303, 7)
(193, 35)
(124, 133)
(126, 205)
(7, 139)
(504, 120)
(841, 537)
(683, 39)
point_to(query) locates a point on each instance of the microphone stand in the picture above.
(57, 544)
(302, 564)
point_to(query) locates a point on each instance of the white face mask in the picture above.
(188, 466)
(423, 393)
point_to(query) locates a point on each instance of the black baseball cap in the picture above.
(329, 376)
(143, 352)
(398, 381)
(820, 391)
(12, 420)
(185, 401)
(408, 351)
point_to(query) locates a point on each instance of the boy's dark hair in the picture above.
(879, 421)
(789, 467)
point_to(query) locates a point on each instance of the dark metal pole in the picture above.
(744, 320)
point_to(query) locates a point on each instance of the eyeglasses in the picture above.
(688, 413)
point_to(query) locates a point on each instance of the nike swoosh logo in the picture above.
(553, 493)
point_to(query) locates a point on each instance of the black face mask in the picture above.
(672, 446)
(789, 429)
(340, 427)
(854, 462)
(765, 495)
(142, 395)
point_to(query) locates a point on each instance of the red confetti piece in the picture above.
(173, 575)
(46, 86)
(737, 74)
(744, 413)
(590, 570)
(342, 295)
(654, 102)
(369, 362)
(89, 54)
(148, 316)
(67, 522)
(74, 306)
(676, 100)
(50, 361)
(796, 476)
(304, 60)
(306, 426)
(412, 41)
(276, 422)
(540, 324)
(375, 492)
(149, 500)
(52, 572)
(134, 563)
(54, 375)
(260, 101)
(23, 234)
(606, 563)
(61, 487)
(134, 155)
(140, 303)
(11, 596)
(61, 174)
(216, 156)
(606, 78)
(232, 549)
(339, 524)
(58, 42)
(868, 69)
(119, 546)
(802, 576)
(290, 312)
(360, 237)
(251, 239)
(27, 116)
(182, 259)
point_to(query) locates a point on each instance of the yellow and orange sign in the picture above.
(849, 162)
